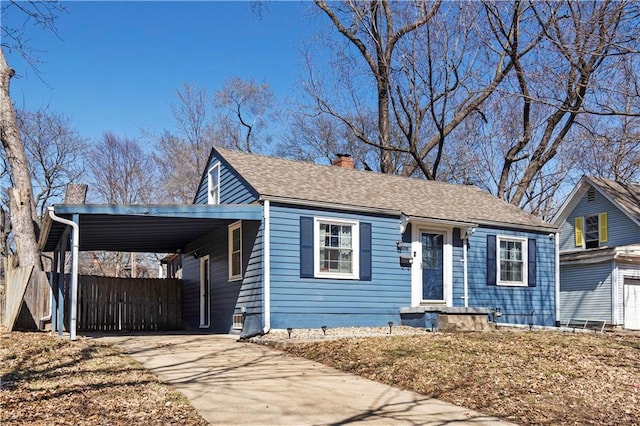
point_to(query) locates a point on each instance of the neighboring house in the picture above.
(341, 247)
(600, 253)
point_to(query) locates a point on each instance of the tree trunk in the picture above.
(22, 205)
(23, 228)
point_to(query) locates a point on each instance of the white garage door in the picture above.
(632, 304)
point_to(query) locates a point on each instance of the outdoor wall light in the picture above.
(289, 330)
(469, 232)
(196, 254)
(399, 244)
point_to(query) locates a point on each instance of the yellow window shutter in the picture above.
(603, 230)
(578, 232)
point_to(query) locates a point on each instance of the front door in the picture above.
(205, 300)
(432, 266)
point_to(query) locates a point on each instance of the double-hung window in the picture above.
(512, 261)
(336, 248)
(591, 230)
(235, 251)
(591, 235)
(213, 196)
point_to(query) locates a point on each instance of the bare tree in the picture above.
(193, 120)
(374, 29)
(244, 108)
(55, 153)
(612, 152)
(432, 73)
(22, 203)
(180, 156)
(319, 138)
(562, 82)
(610, 148)
(492, 83)
(122, 173)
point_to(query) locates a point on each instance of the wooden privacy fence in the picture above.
(114, 304)
(27, 298)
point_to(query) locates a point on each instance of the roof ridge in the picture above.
(623, 184)
(349, 170)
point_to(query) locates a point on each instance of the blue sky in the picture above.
(117, 65)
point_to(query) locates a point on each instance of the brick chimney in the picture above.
(343, 160)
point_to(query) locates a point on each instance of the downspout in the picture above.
(74, 270)
(557, 258)
(469, 231)
(465, 280)
(266, 268)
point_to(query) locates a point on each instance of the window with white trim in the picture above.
(336, 248)
(213, 185)
(235, 251)
(512, 261)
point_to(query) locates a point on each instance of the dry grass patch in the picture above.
(48, 380)
(524, 377)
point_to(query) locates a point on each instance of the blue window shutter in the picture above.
(306, 247)
(491, 260)
(365, 251)
(531, 262)
(457, 240)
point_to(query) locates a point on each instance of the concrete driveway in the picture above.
(230, 382)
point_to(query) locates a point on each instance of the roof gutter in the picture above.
(525, 227)
(74, 270)
(435, 221)
(334, 206)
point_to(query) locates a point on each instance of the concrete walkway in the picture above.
(229, 382)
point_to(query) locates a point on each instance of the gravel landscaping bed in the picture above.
(279, 338)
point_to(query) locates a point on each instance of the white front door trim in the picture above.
(416, 268)
(205, 292)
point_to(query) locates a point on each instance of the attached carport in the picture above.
(126, 228)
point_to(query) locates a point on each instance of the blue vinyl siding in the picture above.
(190, 292)
(226, 297)
(585, 291)
(233, 188)
(516, 303)
(622, 230)
(310, 302)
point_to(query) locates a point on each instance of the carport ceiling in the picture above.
(150, 229)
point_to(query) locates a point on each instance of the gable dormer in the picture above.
(221, 184)
(592, 218)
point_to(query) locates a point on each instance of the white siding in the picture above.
(623, 271)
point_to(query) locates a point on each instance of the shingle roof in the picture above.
(295, 180)
(627, 196)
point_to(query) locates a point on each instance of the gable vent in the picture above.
(591, 195)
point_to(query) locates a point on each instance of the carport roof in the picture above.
(142, 228)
